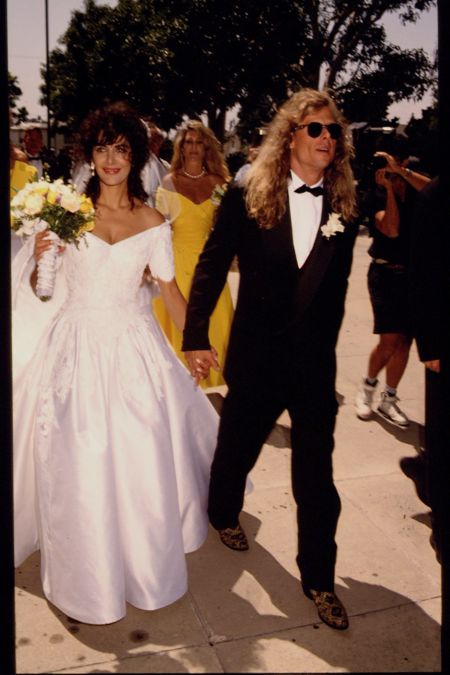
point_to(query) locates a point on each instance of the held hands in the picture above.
(200, 361)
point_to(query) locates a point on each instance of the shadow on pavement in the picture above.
(413, 434)
(276, 610)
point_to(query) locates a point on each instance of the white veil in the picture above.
(30, 316)
(159, 185)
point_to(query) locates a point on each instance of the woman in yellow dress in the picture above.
(20, 172)
(189, 196)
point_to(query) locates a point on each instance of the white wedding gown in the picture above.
(112, 439)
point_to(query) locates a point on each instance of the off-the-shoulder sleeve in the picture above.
(168, 203)
(161, 261)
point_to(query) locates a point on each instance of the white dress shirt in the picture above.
(36, 161)
(306, 211)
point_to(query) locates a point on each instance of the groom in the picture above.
(290, 228)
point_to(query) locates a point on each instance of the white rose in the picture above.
(70, 202)
(33, 204)
(16, 200)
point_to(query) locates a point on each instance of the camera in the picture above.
(378, 163)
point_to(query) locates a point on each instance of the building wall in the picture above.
(17, 131)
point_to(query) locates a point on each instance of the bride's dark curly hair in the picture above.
(105, 126)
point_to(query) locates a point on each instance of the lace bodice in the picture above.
(101, 275)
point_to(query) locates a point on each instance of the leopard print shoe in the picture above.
(234, 538)
(329, 608)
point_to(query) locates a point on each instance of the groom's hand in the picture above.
(200, 361)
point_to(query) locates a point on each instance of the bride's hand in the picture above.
(200, 361)
(42, 244)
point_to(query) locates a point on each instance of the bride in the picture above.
(113, 440)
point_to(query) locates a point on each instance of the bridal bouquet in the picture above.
(58, 208)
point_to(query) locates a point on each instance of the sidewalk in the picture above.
(245, 611)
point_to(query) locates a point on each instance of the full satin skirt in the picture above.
(112, 451)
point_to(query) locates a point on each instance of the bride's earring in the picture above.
(92, 169)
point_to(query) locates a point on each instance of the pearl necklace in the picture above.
(191, 175)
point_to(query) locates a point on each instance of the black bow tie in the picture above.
(316, 191)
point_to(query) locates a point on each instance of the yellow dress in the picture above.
(191, 225)
(21, 174)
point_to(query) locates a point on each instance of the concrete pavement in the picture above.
(244, 612)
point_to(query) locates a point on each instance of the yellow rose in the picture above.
(51, 197)
(87, 227)
(86, 205)
(41, 188)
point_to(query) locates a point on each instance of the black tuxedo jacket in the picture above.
(281, 312)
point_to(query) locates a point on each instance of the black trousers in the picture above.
(247, 417)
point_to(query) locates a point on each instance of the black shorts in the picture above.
(389, 295)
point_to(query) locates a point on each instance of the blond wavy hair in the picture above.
(268, 176)
(214, 158)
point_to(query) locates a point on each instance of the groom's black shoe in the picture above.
(329, 608)
(234, 538)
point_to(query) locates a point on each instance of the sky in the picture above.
(26, 46)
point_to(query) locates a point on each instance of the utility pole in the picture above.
(47, 76)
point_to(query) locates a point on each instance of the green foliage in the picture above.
(423, 133)
(65, 224)
(21, 115)
(369, 93)
(14, 91)
(171, 58)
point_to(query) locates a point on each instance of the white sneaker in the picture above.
(364, 399)
(389, 409)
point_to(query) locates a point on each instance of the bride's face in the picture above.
(112, 161)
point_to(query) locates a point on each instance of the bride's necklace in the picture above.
(194, 176)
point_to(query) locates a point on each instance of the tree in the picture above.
(21, 115)
(14, 91)
(423, 133)
(172, 58)
(347, 52)
(226, 54)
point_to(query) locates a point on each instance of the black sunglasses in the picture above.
(315, 129)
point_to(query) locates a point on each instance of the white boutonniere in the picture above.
(332, 226)
(218, 193)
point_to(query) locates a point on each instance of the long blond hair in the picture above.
(268, 176)
(214, 159)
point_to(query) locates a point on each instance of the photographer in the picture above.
(397, 184)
